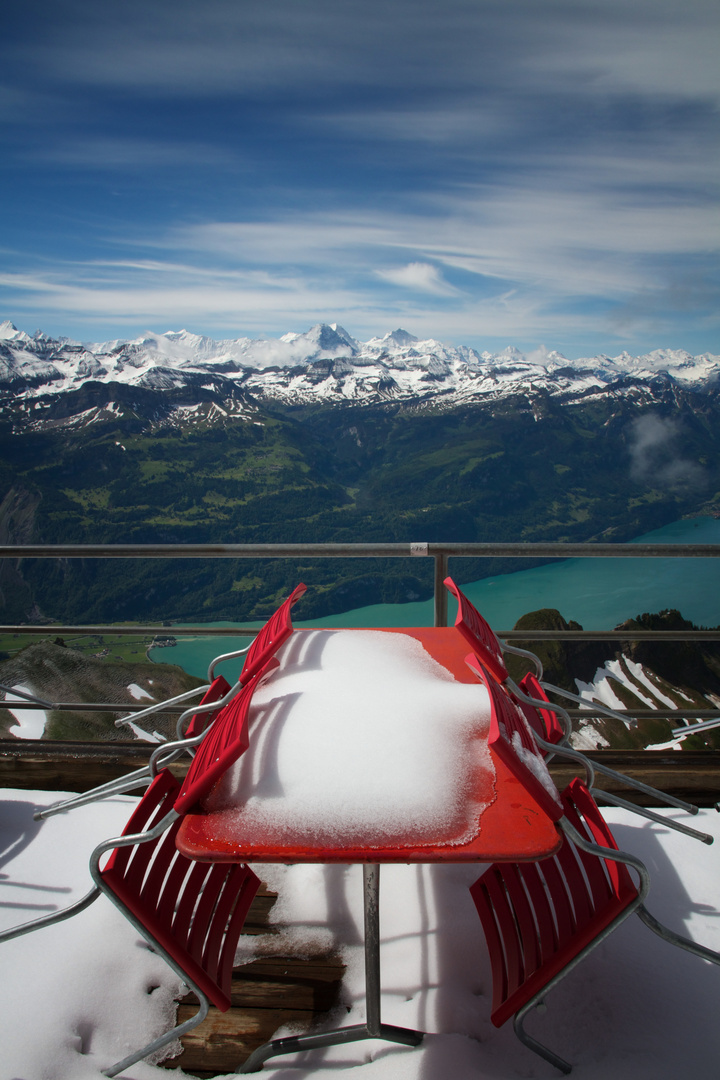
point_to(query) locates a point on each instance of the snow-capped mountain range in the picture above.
(325, 365)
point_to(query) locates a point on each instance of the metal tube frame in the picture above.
(539, 997)
(165, 754)
(637, 907)
(373, 1028)
(562, 750)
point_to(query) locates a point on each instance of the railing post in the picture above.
(441, 571)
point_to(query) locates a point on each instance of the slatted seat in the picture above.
(276, 630)
(224, 743)
(538, 917)
(478, 633)
(541, 716)
(541, 919)
(192, 913)
(551, 733)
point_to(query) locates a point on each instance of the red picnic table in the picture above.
(368, 746)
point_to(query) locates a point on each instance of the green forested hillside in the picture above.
(527, 468)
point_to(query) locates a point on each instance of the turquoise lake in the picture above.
(597, 593)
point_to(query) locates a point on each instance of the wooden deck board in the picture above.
(56, 766)
(266, 994)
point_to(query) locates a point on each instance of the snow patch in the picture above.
(587, 738)
(138, 693)
(105, 993)
(30, 722)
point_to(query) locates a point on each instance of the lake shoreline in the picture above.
(597, 593)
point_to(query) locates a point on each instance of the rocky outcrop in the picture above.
(57, 673)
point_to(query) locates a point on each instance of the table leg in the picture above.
(373, 1028)
(371, 898)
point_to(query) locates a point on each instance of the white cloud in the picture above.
(655, 457)
(113, 152)
(652, 47)
(529, 261)
(422, 277)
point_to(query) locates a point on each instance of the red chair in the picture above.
(541, 919)
(488, 649)
(191, 913)
(217, 694)
(276, 630)
(540, 715)
(541, 718)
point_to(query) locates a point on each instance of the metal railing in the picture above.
(439, 552)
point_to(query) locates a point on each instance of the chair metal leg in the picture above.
(163, 1040)
(104, 791)
(532, 1044)
(373, 1028)
(608, 796)
(676, 939)
(50, 920)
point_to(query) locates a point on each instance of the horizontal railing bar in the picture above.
(42, 630)
(648, 714)
(334, 551)
(100, 706)
(582, 714)
(609, 635)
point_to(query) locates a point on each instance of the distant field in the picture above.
(112, 647)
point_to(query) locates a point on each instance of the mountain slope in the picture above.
(434, 443)
(56, 673)
(638, 675)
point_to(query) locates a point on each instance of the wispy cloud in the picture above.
(182, 48)
(422, 277)
(502, 169)
(117, 153)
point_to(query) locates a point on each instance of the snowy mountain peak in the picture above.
(326, 365)
(324, 341)
(10, 332)
(398, 337)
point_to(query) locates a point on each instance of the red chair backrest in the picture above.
(276, 630)
(225, 742)
(511, 738)
(543, 721)
(200, 721)
(195, 911)
(537, 917)
(478, 633)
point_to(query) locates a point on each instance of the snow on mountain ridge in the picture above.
(325, 363)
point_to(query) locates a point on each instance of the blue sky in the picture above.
(486, 172)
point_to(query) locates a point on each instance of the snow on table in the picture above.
(360, 736)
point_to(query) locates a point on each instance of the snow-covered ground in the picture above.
(78, 996)
(30, 722)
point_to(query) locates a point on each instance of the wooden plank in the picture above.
(225, 1040)
(266, 994)
(36, 764)
(687, 774)
(64, 766)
